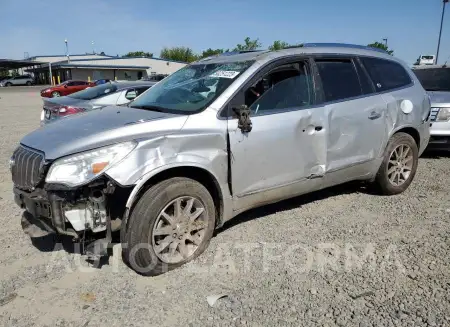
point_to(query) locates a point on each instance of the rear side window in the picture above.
(339, 79)
(386, 74)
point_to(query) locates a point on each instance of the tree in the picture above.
(279, 45)
(248, 45)
(139, 54)
(211, 52)
(184, 54)
(381, 46)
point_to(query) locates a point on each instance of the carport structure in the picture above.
(23, 65)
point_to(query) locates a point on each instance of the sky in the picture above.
(39, 27)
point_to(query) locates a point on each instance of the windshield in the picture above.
(434, 79)
(94, 92)
(192, 88)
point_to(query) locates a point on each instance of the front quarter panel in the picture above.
(200, 143)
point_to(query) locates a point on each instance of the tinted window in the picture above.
(434, 79)
(339, 79)
(386, 74)
(285, 87)
(70, 83)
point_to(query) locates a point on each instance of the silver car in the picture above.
(18, 80)
(216, 138)
(436, 80)
(107, 94)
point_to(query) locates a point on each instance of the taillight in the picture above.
(69, 110)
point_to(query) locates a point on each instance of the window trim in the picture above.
(412, 78)
(225, 112)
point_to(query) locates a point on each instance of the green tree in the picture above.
(184, 54)
(4, 73)
(381, 46)
(139, 54)
(248, 45)
(279, 45)
(211, 52)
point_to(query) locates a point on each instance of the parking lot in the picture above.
(340, 257)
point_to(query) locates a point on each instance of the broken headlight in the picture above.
(82, 167)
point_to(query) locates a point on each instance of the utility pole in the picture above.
(444, 2)
(93, 48)
(385, 42)
(67, 51)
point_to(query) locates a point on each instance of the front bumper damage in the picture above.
(88, 214)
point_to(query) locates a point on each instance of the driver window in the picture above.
(285, 87)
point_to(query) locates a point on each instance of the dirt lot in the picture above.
(343, 257)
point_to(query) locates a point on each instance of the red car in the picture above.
(65, 88)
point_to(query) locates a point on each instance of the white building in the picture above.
(92, 67)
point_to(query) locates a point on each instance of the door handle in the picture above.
(374, 115)
(318, 128)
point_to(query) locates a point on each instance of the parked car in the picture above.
(18, 80)
(101, 81)
(97, 97)
(155, 78)
(65, 88)
(436, 80)
(184, 158)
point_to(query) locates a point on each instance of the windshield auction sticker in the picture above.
(224, 74)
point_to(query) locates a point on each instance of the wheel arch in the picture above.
(195, 172)
(411, 131)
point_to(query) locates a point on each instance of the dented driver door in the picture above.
(284, 153)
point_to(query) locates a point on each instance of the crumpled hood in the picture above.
(99, 128)
(439, 97)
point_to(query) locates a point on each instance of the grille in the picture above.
(433, 114)
(25, 169)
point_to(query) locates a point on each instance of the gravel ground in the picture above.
(342, 257)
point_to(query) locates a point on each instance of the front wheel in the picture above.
(399, 164)
(172, 224)
(28, 83)
(8, 84)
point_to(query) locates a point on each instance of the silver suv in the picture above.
(18, 80)
(216, 138)
(436, 80)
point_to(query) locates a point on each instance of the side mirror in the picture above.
(244, 122)
(65, 86)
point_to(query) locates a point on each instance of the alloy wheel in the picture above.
(400, 165)
(179, 229)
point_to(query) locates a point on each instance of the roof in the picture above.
(65, 64)
(309, 48)
(14, 64)
(124, 58)
(127, 84)
(75, 55)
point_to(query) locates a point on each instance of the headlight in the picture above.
(443, 115)
(83, 167)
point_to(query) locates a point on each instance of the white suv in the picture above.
(18, 80)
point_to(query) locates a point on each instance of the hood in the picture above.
(63, 101)
(99, 128)
(439, 98)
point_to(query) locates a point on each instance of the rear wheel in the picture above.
(55, 94)
(172, 224)
(8, 84)
(399, 164)
(28, 83)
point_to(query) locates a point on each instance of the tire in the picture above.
(140, 250)
(8, 84)
(28, 83)
(56, 94)
(391, 178)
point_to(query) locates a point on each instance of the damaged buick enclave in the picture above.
(223, 135)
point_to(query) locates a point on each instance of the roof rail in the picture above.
(344, 45)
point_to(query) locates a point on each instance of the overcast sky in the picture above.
(39, 27)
